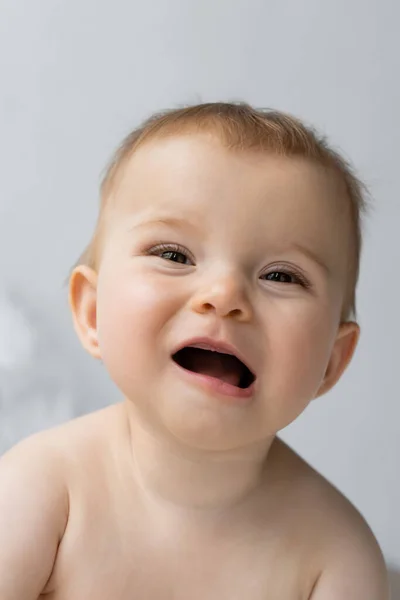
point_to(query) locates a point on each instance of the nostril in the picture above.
(206, 307)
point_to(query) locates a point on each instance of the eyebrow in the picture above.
(312, 256)
(168, 221)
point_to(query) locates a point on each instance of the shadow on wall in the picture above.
(38, 382)
(394, 578)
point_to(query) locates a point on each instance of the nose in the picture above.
(224, 295)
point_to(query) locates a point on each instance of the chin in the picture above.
(195, 420)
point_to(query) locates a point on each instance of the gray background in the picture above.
(76, 75)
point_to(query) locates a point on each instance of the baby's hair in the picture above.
(241, 127)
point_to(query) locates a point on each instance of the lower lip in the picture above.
(212, 384)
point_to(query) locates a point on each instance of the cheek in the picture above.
(301, 345)
(132, 310)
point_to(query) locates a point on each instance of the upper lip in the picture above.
(215, 345)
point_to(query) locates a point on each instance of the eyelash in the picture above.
(176, 248)
(298, 277)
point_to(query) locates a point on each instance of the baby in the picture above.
(219, 292)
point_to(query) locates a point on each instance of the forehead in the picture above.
(196, 177)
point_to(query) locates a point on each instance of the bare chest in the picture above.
(144, 576)
(111, 556)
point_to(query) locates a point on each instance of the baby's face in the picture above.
(241, 248)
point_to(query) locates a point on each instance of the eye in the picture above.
(173, 253)
(287, 277)
(178, 257)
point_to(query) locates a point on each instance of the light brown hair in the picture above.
(239, 126)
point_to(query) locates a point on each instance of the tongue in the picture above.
(222, 366)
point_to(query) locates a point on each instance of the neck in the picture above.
(193, 479)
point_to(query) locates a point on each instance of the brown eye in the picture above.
(280, 277)
(178, 257)
(286, 277)
(172, 253)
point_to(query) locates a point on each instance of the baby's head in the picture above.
(230, 228)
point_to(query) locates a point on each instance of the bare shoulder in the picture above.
(59, 438)
(35, 500)
(350, 561)
(53, 452)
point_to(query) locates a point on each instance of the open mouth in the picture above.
(221, 366)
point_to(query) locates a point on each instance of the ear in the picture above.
(82, 301)
(342, 353)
